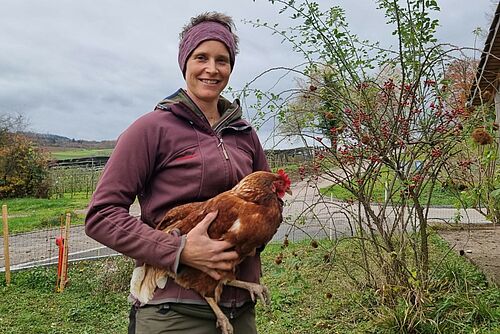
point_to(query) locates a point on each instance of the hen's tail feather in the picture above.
(161, 279)
(144, 281)
(136, 283)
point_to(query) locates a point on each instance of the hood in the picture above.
(230, 111)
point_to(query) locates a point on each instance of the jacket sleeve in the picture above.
(125, 176)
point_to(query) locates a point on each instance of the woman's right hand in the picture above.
(205, 254)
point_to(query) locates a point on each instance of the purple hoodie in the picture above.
(169, 157)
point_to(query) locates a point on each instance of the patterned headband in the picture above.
(204, 31)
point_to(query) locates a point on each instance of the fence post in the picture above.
(64, 264)
(66, 251)
(6, 243)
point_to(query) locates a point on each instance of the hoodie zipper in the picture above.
(221, 145)
(218, 132)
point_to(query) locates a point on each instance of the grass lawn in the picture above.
(309, 295)
(440, 196)
(28, 214)
(89, 304)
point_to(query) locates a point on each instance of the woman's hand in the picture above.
(205, 254)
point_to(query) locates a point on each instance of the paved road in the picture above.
(306, 214)
(326, 217)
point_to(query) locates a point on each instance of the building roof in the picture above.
(485, 84)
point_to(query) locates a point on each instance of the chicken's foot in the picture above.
(255, 290)
(222, 321)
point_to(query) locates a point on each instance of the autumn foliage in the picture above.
(379, 117)
(23, 167)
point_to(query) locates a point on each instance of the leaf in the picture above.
(495, 194)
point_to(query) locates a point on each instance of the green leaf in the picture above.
(495, 194)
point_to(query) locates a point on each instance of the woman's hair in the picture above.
(223, 19)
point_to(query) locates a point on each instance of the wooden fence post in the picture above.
(64, 270)
(63, 243)
(6, 243)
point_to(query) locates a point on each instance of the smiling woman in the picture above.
(192, 147)
(207, 74)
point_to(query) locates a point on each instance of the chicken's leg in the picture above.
(222, 321)
(255, 290)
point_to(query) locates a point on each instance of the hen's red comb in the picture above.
(284, 175)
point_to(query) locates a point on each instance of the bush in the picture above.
(23, 167)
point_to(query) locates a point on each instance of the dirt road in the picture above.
(481, 245)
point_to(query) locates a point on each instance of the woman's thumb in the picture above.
(209, 218)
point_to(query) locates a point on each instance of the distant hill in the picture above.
(52, 142)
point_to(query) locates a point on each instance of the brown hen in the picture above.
(248, 216)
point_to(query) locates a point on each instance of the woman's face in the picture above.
(207, 71)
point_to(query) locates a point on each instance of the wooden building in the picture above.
(486, 87)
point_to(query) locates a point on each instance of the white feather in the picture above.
(161, 281)
(236, 226)
(136, 281)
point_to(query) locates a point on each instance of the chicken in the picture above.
(248, 216)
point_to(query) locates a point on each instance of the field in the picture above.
(28, 214)
(440, 196)
(309, 295)
(64, 154)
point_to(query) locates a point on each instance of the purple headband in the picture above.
(204, 31)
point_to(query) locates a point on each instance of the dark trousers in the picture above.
(163, 319)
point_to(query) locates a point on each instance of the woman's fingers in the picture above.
(202, 227)
(214, 274)
(226, 256)
(208, 255)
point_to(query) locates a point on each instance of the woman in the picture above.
(193, 146)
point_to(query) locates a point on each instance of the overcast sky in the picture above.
(86, 69)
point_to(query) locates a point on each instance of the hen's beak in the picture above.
(289, 191)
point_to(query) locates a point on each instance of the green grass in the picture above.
(28, 214)
(81, 153)
(93, 302)
(440, 196)
(309, 295)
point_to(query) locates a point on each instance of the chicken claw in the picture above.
(222, 321)
(224, 325)
(261, 291)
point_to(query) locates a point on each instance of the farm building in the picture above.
(486, 87)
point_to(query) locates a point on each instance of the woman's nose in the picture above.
(212, 66)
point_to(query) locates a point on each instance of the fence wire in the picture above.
(324, 220)
(34, 249)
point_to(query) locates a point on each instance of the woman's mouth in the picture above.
(209, 82)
